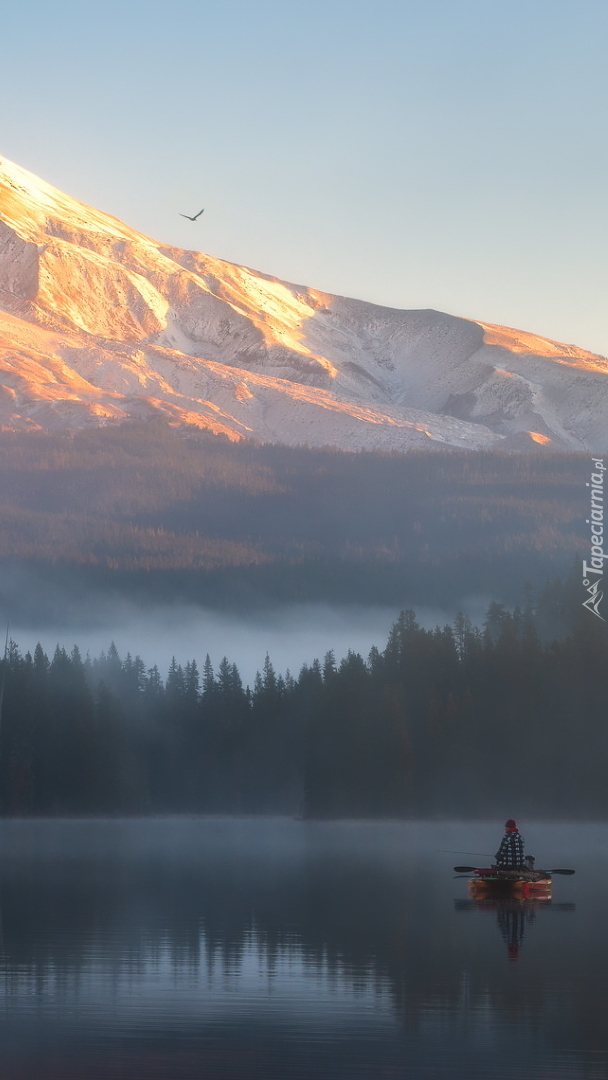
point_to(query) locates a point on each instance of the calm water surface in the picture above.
(222, 949)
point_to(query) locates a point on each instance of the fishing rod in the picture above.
(477, 854)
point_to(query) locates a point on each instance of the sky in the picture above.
(447, 154)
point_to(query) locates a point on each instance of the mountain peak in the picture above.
(99, 324)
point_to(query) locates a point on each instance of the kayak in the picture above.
(523, 884)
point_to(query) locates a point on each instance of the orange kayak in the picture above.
(493, 882)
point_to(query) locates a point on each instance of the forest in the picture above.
(145, 512)
(455, 721)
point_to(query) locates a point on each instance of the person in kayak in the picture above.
(510, 855)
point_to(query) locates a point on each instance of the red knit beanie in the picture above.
(511, 825)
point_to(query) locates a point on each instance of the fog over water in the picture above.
(291, 635)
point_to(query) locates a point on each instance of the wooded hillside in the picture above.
(148, 512)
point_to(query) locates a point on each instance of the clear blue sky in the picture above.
(426, 153)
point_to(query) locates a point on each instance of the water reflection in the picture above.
(513, 915)
(189, 948)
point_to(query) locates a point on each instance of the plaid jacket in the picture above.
(511, 851)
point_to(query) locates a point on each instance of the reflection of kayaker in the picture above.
(510, 854)
(512, 919)
(513, 914)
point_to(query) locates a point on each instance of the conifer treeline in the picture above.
(449, 721)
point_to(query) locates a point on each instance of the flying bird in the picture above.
(195, 216)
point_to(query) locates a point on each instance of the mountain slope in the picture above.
(99, 323)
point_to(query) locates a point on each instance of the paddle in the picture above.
(472, 869)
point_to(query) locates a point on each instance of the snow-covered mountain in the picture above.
(99, 323)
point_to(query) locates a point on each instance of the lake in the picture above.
(224, 949)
